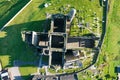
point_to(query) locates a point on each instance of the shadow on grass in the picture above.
(13, 46)
(101, 2)
(7, 15)
(41, 6)
(27, 77)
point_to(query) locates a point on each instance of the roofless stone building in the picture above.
(56, 43)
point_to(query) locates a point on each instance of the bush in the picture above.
(51, 70)
(42, 70)
(60, 71)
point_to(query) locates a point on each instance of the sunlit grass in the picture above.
(3, 34)
(5, 60)
(26, 71)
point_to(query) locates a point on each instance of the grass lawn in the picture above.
(9, 8)
(32, 18)
(26, 71)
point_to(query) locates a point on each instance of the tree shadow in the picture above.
(13, 46)
(101, 2)
(26, 77)
(41, 6)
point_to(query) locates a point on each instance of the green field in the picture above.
(110, 54)
(32, 18)
(27, 70)
(9, 8)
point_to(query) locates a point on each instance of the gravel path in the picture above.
(14, 71)
(15, 74)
